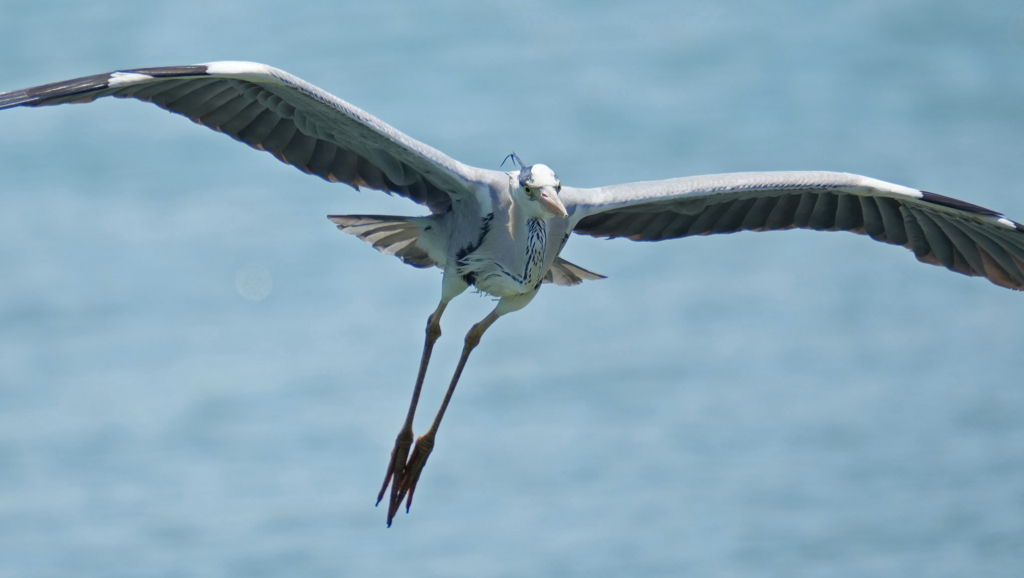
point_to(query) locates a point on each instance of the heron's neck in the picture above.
(535, 246)
(537, 242)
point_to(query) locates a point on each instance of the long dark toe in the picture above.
(396, 466)
(413, 469)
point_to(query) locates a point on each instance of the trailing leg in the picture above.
(396, 466)
(425, 443)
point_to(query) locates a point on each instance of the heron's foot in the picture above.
(411, 475)
(396, 467)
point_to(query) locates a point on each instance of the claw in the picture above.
(413, 469)
(396, 467)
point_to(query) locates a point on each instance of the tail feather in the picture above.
(565, 273)
(390, 235)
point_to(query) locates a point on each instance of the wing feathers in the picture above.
(802, 216)
(917, 239)
(296, 122)
(823, 217)
(960, 236)
(873, 224)
(848, 213)
(657, 226)
(733, 217)
(758, 213)
(705, 221)
(892, 221)
(680, 227)
(782, 215)
(935, 239)
(299, 150)
(967, 258)
(396, 236)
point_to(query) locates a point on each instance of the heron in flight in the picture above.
(502, 232)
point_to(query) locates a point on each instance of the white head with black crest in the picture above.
(538, 190)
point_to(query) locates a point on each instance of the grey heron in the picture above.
(502, 232)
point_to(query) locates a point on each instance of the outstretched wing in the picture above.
(297, 122)
(939, 230)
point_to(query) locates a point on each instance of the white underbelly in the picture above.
(501, 285)
(496, 274)
(496, 280)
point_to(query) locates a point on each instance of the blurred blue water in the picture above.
(798, 404)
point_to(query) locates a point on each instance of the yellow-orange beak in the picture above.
(548, 197)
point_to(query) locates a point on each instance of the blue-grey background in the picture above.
(784, 404)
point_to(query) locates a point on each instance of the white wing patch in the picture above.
(122, 78)
(890, 188)
(253, 71)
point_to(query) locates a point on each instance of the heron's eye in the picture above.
(528, 190)
(558, 188)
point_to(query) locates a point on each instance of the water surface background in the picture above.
(781, 404)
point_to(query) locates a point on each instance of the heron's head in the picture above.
(538, 189)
